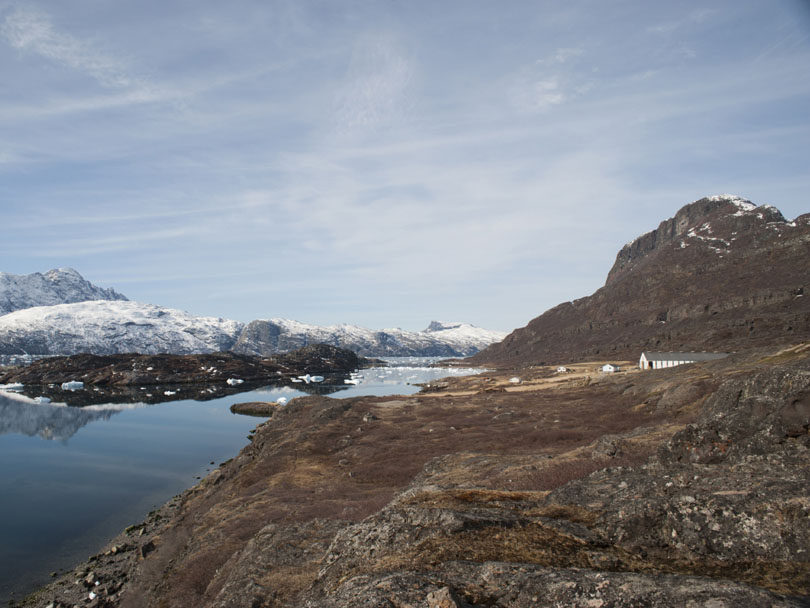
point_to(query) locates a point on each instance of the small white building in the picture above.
(609, 368)
(562, 369)
(653, 360)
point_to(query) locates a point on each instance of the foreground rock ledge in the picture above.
(479, 495)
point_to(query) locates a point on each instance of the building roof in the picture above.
(652, 356)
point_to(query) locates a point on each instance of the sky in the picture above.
(384, 163)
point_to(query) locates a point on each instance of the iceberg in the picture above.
(72, 385)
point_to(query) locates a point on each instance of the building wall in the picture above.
(644, 364)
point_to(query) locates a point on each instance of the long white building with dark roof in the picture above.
(653, 360)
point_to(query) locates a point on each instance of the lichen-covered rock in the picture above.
(506, 585)
(728, 496)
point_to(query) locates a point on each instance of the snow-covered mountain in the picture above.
(60, 313)
(104, 327)
(58, 286)
(269, 336)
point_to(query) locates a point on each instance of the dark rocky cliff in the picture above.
(721, 274)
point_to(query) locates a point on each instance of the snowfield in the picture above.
(105, 327)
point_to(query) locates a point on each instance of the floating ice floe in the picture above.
(297, 380)
(234, 381)
(309, 378)
(169, 393)
(351, 381)
(72, 385)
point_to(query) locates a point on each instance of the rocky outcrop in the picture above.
(726, 498)
(721, 275)
(57, 286)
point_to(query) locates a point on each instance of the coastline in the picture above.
(327, 471)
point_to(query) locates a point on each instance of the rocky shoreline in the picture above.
(135, 369)
(686, 486)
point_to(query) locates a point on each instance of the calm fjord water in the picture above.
(74, 477)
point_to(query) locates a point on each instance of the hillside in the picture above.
(722, 274)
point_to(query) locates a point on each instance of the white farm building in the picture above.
(651, 360)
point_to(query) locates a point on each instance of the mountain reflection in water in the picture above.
(71, 410)
(46, 421)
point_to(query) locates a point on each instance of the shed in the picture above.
(654, 360)
(609, 368)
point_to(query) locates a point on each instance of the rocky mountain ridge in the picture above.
(57, 286)
(721, 275)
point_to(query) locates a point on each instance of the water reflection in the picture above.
(69, 411)
(20, 415)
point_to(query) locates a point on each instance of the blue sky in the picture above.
(384, 163)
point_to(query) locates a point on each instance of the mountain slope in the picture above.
(722, 274)
(107, 327)
(58, 286)
(270, 336)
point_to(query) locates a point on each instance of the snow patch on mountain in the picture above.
(57, 286)
(464, 334)
(105, 327)
(742, 203)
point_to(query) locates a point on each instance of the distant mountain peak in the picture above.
(56, 286)
(738, 201)
(55, 273)
(439, 326)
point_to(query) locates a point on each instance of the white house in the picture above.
(652, 360)
(609, 368)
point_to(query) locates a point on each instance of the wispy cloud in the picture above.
(376, 83)
(550, 81)
(28, 29)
